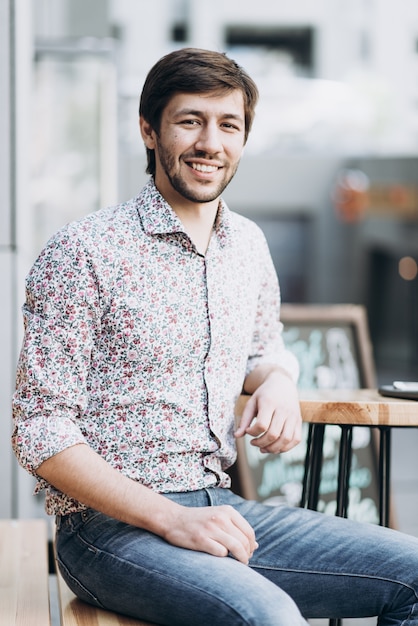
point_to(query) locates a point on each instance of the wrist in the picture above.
(264, 373)
(164, 518)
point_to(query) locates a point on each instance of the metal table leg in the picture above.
(313, 466)
(384, 475)
(307, 468)
(344, 468)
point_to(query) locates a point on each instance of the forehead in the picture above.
(224, 104)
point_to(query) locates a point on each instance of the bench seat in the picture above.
(24, 588)
(24, 583)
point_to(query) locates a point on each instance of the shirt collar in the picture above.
(157, 216)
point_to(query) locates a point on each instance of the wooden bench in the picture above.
(24, 583)
(24, 590)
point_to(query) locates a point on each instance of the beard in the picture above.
(199, 195)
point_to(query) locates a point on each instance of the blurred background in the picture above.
(330, 171)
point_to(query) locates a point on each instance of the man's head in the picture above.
(191, 70)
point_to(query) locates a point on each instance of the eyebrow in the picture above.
(198, 113)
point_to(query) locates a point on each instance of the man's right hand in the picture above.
(82, 474)
(217, 530)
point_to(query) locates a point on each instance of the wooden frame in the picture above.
(263, 477)
(349, 316)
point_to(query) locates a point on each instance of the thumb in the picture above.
(248, 414)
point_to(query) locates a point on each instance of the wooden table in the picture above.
(348, 408)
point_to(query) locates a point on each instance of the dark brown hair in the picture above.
(192, 70)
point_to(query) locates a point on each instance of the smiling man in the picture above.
(198, 147)
(143, 324)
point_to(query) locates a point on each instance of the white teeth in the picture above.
(204, 168)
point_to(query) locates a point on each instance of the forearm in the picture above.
(261, 373)
(82, 474)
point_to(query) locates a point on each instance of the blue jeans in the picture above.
(307, 564)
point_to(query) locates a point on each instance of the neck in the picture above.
(199, 223)
(197, 218)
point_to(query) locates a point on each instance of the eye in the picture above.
(189, 122)
(231, 126)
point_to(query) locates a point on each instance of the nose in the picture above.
(209, 139)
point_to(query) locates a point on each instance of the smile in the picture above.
(204, 168)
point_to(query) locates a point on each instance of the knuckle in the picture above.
(286, 438)
(270, 438)
(258, 428)
(225, 509)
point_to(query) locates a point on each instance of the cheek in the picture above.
(236, 151)
(173, 144)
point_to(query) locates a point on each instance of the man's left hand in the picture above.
(272, 414)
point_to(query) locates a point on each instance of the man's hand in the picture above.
(217, 530)
(272, 413)
(84, 475)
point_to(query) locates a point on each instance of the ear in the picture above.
(147, 133)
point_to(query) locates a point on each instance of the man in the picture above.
(143, 324)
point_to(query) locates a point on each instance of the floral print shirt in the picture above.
(138, 346)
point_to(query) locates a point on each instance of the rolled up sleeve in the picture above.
(52, 372)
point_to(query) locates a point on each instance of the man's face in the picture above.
(199, 146)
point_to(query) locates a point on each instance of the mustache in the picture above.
(200, 154)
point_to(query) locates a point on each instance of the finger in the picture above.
(248, 414)
(237, 549)
(270, 436)
(262, 423)
(225, 545)
(290, 436)
(227, 518)
(246, 529)
(238, 544)
(238, 527)
(227, 539)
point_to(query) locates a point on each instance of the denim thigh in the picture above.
(334, 567)
(125, 569)
(327, 566)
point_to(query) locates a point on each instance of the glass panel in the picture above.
(72, 123)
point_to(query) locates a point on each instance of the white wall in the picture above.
(15, 72)
(7, 258)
